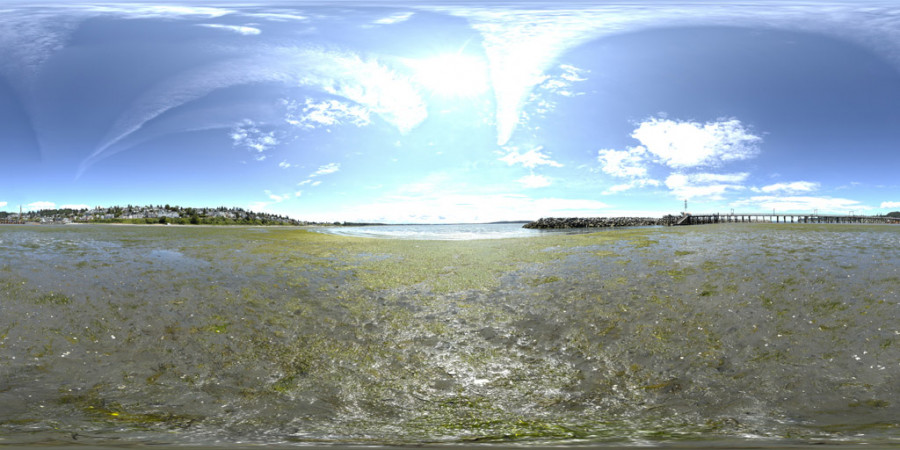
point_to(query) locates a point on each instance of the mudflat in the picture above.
(718, 335)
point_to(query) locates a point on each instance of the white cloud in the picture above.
(824, 205)
(316, 183)
(298, 193)
(522, 43)
(456, 208)
(244, 30)
(534, 181)
(77, 206)
(146, 11)
(39, 205)
(247, 134)
(331, 112)
(3, 204)
(624, 163)
(692, 144)
(326, 169)
(530, 159)
(394, 18)
(704, 185)
(561, 83)
(794, 187)
(304, 182)
(638, 183)
(285, 165)
(365, 82)
(279, 17)
(883, 205)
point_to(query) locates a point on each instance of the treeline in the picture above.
(158, 214)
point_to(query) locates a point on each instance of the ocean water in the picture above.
(732, 334)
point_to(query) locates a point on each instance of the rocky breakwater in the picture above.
(547, 223)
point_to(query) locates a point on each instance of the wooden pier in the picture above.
(699, 219)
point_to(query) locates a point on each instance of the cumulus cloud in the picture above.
(311, 114)
(3, 204)
(692, 144)
(530, 159)
(534, 181)
(883, 204)
(624, 163)
(704, 185)
(244, 30)
(794, 187)
(827, 205)
(75, 206)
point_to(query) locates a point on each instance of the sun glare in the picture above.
(452, 74)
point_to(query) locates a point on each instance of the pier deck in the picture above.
(698, 219)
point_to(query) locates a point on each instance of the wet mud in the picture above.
(763, 334)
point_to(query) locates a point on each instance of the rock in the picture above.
(550, 223)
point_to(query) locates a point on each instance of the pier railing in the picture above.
(697, 219)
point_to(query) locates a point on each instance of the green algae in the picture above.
(592, 337)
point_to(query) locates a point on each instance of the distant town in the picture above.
(159, 215)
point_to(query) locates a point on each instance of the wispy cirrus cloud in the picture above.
(523, 41)
(789, 188)
(149, 11)
(394, 18)
(279, 16)
(240, 29)
(530, 159)
(345, 75)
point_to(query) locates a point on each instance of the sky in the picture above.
(448, 112)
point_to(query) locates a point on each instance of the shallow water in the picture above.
(763, 334)
(447, 232)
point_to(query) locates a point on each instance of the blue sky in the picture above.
(452, 112)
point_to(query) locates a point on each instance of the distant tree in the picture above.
(162, 220)
(195, 219)
(894, 214)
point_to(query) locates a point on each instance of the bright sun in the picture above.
(452, 74)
